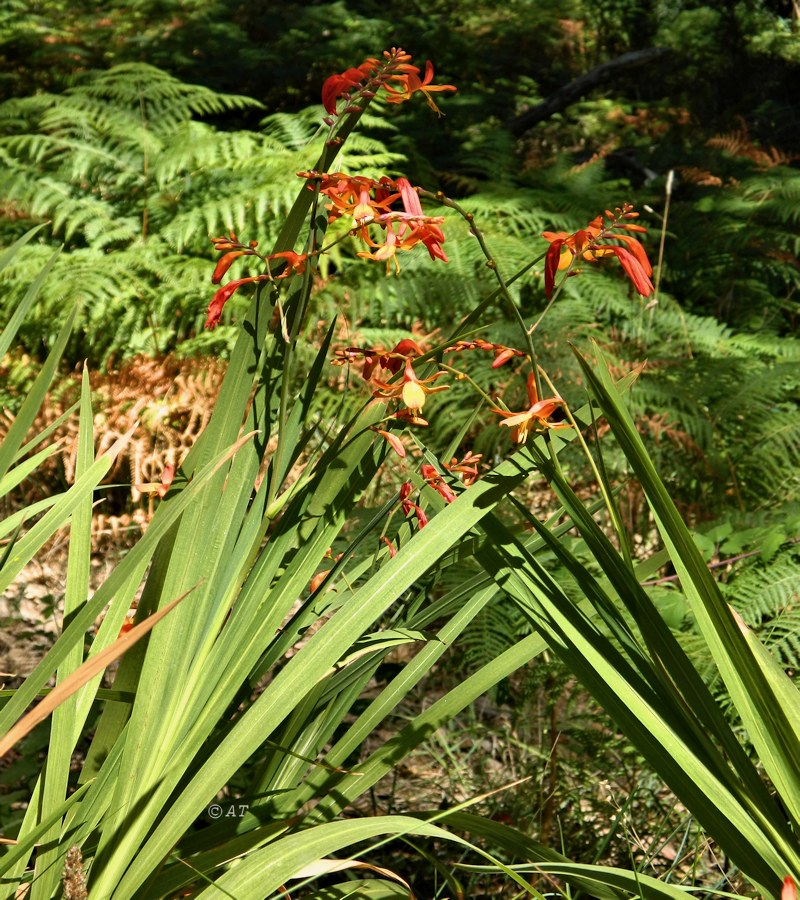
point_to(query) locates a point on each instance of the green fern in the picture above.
(134, 186)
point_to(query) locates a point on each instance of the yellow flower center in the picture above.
(413, 395)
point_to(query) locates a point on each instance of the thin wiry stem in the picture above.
(491, 263)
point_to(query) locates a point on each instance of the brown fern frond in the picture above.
(169, 399)
(695, 175)
(739, 143)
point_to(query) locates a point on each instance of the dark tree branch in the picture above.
(581, 86)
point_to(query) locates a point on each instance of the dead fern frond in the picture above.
(739, 143)
(171, 400)
(695, 175)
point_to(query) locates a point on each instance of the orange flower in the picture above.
(350, 195)
(295, 265)
(410, 389)
(365, 80)
(536, 415)
(413, 227)
(587, 243)
(161, 489)
(411, 83)
(468, 467)
(369, 202)
(435, 480)
(424, 229)
(214, 311)
(393, 441)
(320, 577)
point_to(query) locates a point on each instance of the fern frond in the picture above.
(159, 95)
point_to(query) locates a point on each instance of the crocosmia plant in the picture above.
(296, 547)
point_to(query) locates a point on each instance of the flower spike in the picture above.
(590, 245)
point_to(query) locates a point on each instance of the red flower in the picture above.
(468, 467)
(390, 545)
(408, 506)
(295, 265)
(214, 311)
(587, 243)
(435, 480)
(336, 85)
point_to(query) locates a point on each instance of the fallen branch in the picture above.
(581, 86)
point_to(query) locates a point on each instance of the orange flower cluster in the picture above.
(395, 74)
(591, 244)
(391, 360)
(434, 479)
(294, 264)
(467, 467)
(410, 390)
(370, 202)
(535, 416)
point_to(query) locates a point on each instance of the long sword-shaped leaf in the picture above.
(63, 735)
(136, 561)
(771, 715)
(34, 399)
(10, 329)
(322, 651)
(59, 514)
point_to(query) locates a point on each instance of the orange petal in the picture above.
(394, 442)
(224, 264)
